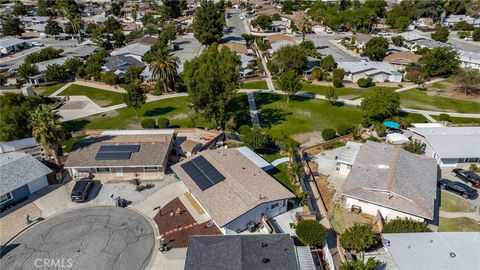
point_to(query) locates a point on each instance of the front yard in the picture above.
(103, 98)
(420, 100)
(463, 224)
(454, 203)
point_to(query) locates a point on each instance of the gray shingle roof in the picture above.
(241, 252)
(8, 42)
(389, 176)
(121, 63)
(18, 169)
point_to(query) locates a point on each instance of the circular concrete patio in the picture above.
(98, 237)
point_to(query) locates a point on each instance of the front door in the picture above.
(119, 172)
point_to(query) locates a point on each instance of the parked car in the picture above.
(468, 176)
(37, 44)
(81, 190)
(459, 188)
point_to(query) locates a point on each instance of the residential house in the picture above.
(277, 45)
(32, 20)
(189, 147)
(378, 71)
(450, 146)
(122, 155)
(22, 175)
(136, 50)
(312, 63)
(451, 20)
(431, 250)
(37, 29)
(27, 145)
(147, 40)
(424, 22)
(119, 64)
(281, 26)
(387, 180)
(42, 68)
(469, 59)
(12, 45)
(241, 252)
(431, 44)
(402, 59)
(82, 51)
(361, 39)
(232, 190)
(347, 157)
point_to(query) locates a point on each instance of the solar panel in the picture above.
(119, 148)
(202, 172)
(112, 155)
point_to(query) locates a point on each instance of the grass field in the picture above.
(453, 203)
(48, 90)
(175, 109)
(255, 85)
(458, 225)
(103, 98)
(301, 115)
(461, 120)
(281, 174)
(349, 93)
(417, 99)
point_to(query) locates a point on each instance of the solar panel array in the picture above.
(116, 152)
(202, 172)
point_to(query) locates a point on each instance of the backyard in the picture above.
(175, 109)
(103, 98)
(420, 100)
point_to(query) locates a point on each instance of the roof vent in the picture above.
(453, 255)
(265, 260)
(383, 166)
(264, 244)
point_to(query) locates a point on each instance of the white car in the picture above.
(37, 44)
(241, 17)
(469, 38)
(383, 33)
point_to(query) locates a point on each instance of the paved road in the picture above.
(235, 25)
(99, 237)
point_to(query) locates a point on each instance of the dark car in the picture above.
(468, 176)
(459, 188)
(81, 190)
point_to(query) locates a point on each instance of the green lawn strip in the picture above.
(322, 90)
(48, 90)
(255, 85)
(270, 157)
(452, 203)
(461, 120)
(301, 115)
(103, 98)
(175, 109)
(417, 99)
(281, 174)
(67, 144)
(463, 224)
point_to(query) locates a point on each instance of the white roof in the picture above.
(135, 49)
(452, 142)
(435, 250)
(397, 138)
(11, 146)
(40, 27)
(305, 259)
(469, 57)
(42, 66)
(349, 154)
(253, 157)
(367, 67)
(410, 36)
(8, 42)
(427, 125)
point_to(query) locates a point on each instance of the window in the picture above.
(6, 197)
(275, 205)
(103, 170)
(151, 168)
(471, 160)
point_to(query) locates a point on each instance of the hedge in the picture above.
(163, 122)
(148, 123)
(328, 134)
(406, 225)
(344, 129)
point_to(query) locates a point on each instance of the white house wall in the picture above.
(371, 209)
(38, 184)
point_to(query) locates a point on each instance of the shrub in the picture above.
(400, 225)
(328, 134)
(359, 237)
(344, 129)
(444, 117)
(331, 145)
(311, 232)
(148, 123)
(109, 78)
(364, 82)
(255, 139)
(380, 129)
(244, 129)
(163, 122)
(337, 83)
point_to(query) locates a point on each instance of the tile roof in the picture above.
(18, 169)
(279, 37)
(245, 186)
(153, 151)
(362, 38)
(391, 177)
(241, 252)
(402, 58)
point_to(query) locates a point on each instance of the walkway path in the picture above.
(56, 93)
(253, 109)
(429, 118)
(279, 161)
(473, 215)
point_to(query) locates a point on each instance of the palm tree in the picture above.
(305, 26)
(47, 129)
(164, 67)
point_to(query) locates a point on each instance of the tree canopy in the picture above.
(209, 22)
(439, 61)
(135, 97)
(12, 26)
(441, 34)
(359, 237)
(381, 105)
(262, 21)
(311, 232)
(289, 82)
(212, 79)
(376, 48)
(52, 28)
(291, 58)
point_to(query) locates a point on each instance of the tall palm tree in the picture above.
(47, 129)
(305, 26)
(164, 67)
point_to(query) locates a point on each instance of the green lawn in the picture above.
(417, 99)
(281, 174)
(255, 85)
(348, 93)
(48, 90)
(301, 115)
(453, 203)
(461, 120)
(67, 144)
(103, 98)
(175, 109)
(458, 225)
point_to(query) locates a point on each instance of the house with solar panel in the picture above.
(122, 155)
(234, 191)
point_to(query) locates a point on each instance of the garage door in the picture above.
(38, 184)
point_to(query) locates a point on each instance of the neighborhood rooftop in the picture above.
(19, 169)
(392, 177)
(452, 142)
(245, 185)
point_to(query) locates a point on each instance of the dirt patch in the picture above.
(309, 138)
(179, 116)
(326, 190)
(342, 219)
(451, 90)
